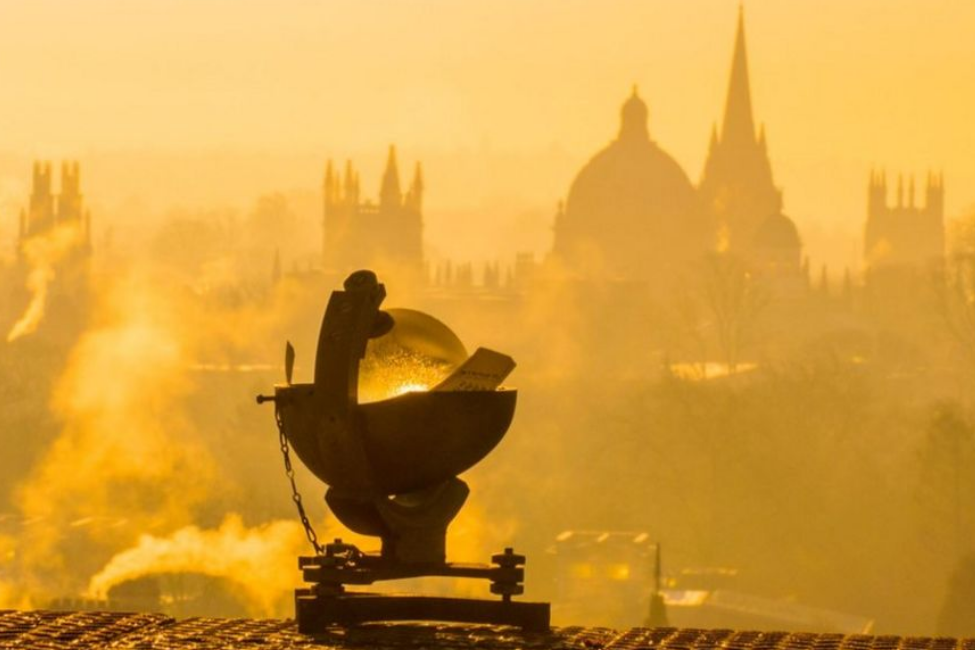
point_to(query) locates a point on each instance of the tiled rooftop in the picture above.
(119, 631)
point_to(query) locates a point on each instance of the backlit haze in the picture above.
(190, 101)
(776, 388)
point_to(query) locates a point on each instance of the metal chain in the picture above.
(295, 494)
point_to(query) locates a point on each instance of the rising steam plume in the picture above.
(260, 560)
(43, 253)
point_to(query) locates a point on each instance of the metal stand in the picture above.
(326, 603)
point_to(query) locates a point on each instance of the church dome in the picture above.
(631, 211)
(777, 232)
(776, 247)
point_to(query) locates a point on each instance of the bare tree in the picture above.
(957, 298)
(946, 486)
(733, 301)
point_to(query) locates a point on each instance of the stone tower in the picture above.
(47, 212)
(904, 234)
(360, 234)
(737, 186)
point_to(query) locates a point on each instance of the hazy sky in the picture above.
(839, 84)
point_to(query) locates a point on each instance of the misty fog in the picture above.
(789, 426)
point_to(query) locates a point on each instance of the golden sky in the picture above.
(839, 84)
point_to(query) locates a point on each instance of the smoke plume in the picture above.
(42, 254)
(126, 452)
(260, 560)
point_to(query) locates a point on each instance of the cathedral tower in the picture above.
(359, 234)
(737, 186)
(47, 211)
(53, 251)
(904, 234)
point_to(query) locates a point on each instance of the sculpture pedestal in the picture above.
(326, 603)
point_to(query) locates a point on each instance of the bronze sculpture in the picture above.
(392, 465)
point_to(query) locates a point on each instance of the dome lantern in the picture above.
(633, 118)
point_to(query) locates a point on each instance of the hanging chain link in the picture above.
(295, 494)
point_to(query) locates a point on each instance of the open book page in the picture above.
(483, 371)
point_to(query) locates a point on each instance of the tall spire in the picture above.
(329, 183)
(739, 124)
(390, 193)
(349, 188)
(415, 195)
(418, 178)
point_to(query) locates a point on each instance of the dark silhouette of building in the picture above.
(387, 236)
(904, 234)
(737, 185)
(64, 221)
(48, 211)
(631, 212)
(49, 283)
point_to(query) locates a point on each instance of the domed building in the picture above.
(776, 247)
(631, 212)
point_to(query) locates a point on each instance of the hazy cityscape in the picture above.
(731, 248)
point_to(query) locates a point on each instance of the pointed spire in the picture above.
(390, 193)
(900, 190)
(328, 184)
(739, 124)
(349, 186)
(910, 192)
(418, 178)
(415, 196)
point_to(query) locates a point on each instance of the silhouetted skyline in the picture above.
(846, 86)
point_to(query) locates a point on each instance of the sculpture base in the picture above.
(325, 602)
(316, 613)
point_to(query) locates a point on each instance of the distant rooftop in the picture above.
(47, 629)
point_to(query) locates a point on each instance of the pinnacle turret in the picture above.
(390, 193)
(415, 195)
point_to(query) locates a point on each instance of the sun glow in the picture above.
(410, 387)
